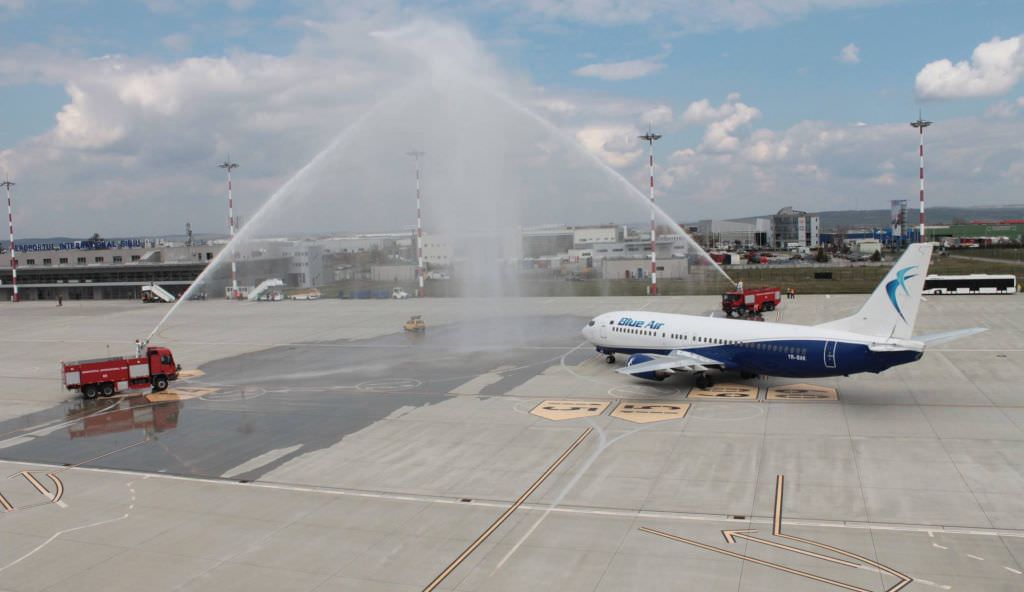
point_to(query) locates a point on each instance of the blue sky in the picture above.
(782, 118)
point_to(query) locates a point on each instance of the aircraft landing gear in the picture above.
(748, 375)
(610, 358)
(704, 381)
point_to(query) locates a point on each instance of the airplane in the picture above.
(876, 338)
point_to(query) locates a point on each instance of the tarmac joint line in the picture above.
(732, 535)
(507, 513)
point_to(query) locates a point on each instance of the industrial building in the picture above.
(794, 228)
(720, 234)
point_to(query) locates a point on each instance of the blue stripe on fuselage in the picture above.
(850, 358)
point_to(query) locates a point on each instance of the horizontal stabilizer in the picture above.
(937, 338)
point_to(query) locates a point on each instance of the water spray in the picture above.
(281, 194)
(630, 187)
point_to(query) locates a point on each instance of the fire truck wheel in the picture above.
(106, 389)
(159, 383)
(89, 391)
(768, 306)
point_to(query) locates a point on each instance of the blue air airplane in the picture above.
(876, 338)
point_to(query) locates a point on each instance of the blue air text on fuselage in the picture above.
(628, 322)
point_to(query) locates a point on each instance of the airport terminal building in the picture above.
(95, 270)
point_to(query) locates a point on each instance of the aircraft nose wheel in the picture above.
(704, 381)
(610, 359)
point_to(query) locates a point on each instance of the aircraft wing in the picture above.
(677, 361)
(937, 338)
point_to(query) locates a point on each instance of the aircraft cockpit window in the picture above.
(591, 323)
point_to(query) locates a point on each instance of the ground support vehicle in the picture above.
(415, 324)
(751, 301)
(154, 368)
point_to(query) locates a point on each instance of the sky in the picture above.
(114, 114)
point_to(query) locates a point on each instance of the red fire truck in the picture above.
(106, 376)
(750, 301)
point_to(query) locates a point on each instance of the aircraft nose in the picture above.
(588, 329)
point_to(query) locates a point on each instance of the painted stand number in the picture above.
(638, 412)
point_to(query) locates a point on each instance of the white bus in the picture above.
(977, 283)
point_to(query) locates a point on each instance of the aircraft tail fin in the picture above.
(892, 308)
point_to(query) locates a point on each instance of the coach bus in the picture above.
(978, 283)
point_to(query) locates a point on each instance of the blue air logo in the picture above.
(900, 282)
(628, 322)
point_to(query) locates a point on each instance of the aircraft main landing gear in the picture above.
(704, 381)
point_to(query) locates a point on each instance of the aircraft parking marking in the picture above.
(801, 392)
(730, 391)
(650, 411)
(732, 535)
(179, 394)
(388, 385)
(187, 374)
(563, 409)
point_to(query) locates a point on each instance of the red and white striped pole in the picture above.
(229, 166)
(650, 137)
(416, 154)
(7, 184)
(920, 124)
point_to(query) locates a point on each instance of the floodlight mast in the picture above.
(650, 137)
(417, 154)
(920, 124)
(228, 166)
(7, 184)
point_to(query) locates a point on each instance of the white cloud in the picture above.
(658, 115)
(722, 122)
(849, 54)
(627, 70)
(614, 144)
(996, 66)
(691, 15)
(1002, 109)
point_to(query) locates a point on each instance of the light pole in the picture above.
(920, 124)
(650, 138)
(229, 166)
(7, 184)
(417, 154)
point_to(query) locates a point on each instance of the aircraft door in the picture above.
(830, 354)
(603, 332)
